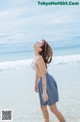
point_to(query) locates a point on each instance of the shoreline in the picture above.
(24, 64)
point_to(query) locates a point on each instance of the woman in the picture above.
(45, 84)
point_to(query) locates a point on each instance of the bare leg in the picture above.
(45, 113)
(57, 113)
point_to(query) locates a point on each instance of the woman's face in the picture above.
(38, 45)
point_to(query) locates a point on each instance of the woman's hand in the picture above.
(36, 88)
(45, 96)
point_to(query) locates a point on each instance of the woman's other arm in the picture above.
(36, 82)
(42, 68)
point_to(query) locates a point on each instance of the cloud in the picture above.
(30, 20)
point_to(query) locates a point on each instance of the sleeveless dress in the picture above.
(52, 89)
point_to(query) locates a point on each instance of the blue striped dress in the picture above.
(52, 90)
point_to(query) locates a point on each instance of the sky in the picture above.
(25, 20)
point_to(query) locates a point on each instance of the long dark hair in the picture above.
(46, 52)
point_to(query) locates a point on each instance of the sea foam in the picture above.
(18, 64)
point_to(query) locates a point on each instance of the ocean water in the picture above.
(17, 81)
(10, 51)
(19, 55)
